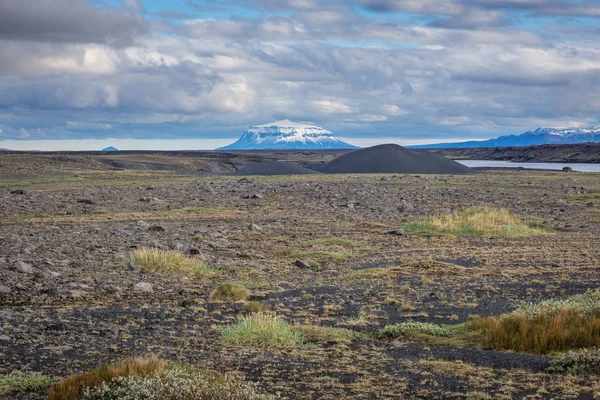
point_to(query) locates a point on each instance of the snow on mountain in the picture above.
(287, 135)
(531, 138)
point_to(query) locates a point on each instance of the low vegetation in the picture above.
(586, 361)
(21, 382)
(168, 262)
(542, 328)
(262, 329)
(547, 331)
(151, 378)
(461, 335)
(73, 387)
(326, 334)
(427, 267)
(482, 221)
(253, 307)
(229, 292)
(552, 325)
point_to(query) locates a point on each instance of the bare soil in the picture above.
(74, 219)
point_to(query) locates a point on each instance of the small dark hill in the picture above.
(391, 158)
(274, 168)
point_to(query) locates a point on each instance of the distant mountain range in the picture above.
(110, 148)
(531, 138)
(287, 135)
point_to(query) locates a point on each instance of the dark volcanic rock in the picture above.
(86, 201)
(302, 264)
(391, 158)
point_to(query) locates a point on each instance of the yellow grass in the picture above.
(484, 221)
(547, 331)
(168, 262)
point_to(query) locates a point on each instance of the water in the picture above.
(548, 166)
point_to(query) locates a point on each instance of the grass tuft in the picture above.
(253, 307)
(21, 382)
(545, 332)
(262, 329)
(482, 221)
(168, 262)
(72, 388)
(229, 292)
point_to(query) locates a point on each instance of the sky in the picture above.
(408, 71)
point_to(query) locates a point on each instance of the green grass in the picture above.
(21, 382)
(482, 221)
(262, 329)
(460, 335)
(168, 262)
(588, 196)
(229, 292)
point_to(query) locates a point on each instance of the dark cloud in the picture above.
(584, 8)
(70, 21)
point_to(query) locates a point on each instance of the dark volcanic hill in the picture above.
(275, 168)
(391, 158)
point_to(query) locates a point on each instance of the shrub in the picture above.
(168, 262)
(73, 387)
(587, 303)
(253, 307)
(175, 383)
(577, 362)
(19, 382)
(480, 221)
(262, 329)
(229, 292)
(407, 328)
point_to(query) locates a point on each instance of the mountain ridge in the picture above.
(539, 136)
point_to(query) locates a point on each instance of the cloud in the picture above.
(68, 21)
(452, 68)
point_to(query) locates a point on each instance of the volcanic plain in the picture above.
(330, 255)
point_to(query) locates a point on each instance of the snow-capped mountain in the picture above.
(531, 138)
(287, 135)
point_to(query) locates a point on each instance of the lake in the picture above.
(549, 166)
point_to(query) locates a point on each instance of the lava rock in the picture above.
(156, 228)
(397, 231)
(302, 264)
(86, 201)
(17, 191)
